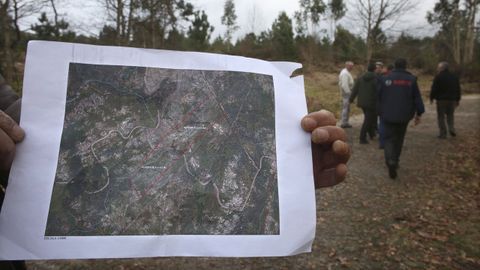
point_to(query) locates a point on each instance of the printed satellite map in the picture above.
(150, 151)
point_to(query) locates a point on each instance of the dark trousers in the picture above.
(369, 123)
(381, 136)
(12, 265)
(445, 109)
(394, 136)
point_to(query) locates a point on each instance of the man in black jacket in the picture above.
(366, 89)
(399, 100)
(446, 91)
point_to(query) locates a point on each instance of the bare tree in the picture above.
(5, 21)
(55, 12)
(121, 12)
(457, 21)
(337, 10)
(252, 18)
(471, 9)
(20, 9)
(11, 12)
(229, 19)
(309, 16)
(373, 14)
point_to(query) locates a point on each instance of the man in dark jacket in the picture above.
(446, 91)
(366, 89)
(399, 100)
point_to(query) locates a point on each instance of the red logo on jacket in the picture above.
(402, 82)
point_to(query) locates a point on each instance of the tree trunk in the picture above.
(55, 13)
(131, 8)
(470, 31)
(456, 44)
(118, 22)
(370, 45)
(7, 44)
(16, 9)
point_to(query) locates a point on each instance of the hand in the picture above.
(10, 134)
(330, 152)
(417, 120)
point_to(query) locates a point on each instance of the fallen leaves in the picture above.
(440, 238)
(343, 261)
(332, 253)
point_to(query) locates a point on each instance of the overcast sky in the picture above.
(257, 16)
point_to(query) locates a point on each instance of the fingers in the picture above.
(11, 128)
(7, 151)
(340, 173)
(318, 119)
(330, 152)
(331, 177)
(328, 134)
(331, 158)
(341, 150)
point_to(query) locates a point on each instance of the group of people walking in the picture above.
(390, 98)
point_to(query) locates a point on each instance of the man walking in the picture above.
(399, 100)
(366, 89)
(446, 91)
(345, 82)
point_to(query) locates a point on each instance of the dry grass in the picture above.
(321, 89)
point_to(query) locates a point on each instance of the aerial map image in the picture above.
(151, 151)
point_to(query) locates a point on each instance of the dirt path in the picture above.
(429, 218)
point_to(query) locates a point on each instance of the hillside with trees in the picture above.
(179, 25)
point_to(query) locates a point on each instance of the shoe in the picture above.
(392, 171)
(381, 147)
(363, 142)
(346, 126)
(453, 134)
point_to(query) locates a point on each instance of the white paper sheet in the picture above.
(25, 214)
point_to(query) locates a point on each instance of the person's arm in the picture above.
(330, 152)
(354, 91)
(433, 90)
(420, 107)
(10, 132)
(379, 96)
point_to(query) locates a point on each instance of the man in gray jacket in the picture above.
(345, 83)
